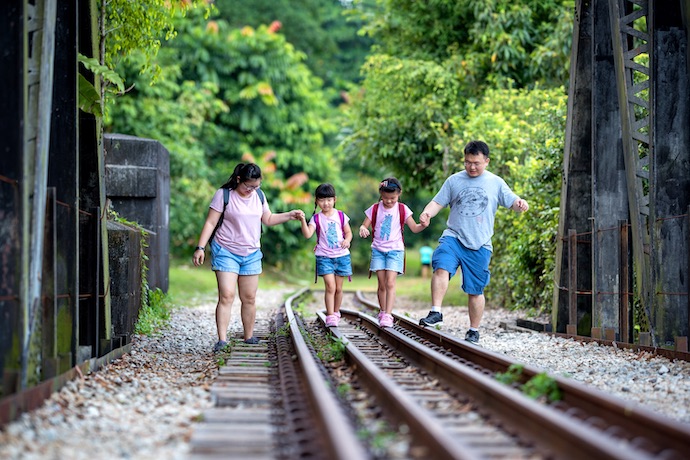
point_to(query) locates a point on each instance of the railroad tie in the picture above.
(239, 425)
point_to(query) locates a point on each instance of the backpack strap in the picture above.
(374, 213)
(401, 211)
(316, 222)
(342, 226)
(226, 198)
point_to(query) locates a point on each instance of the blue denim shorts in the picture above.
(339, 266)
(225, 261)
(391, 260)
(451, 254)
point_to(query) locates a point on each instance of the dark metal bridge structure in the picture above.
(70, 277)
(623, 257)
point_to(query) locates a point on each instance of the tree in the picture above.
(462, 48)
(321, 29)
(226, 96)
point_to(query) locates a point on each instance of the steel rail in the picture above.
(560, 433)
(610, 412)
(341, 439)
(425, 429)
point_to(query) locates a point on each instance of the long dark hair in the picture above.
(245, 171)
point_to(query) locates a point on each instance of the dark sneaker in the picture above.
(252, 340)
(472, 336)
(219, 346)
(434, 318)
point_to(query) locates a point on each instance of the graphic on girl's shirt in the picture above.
(332, 236)
(473, 201)
(386, 227)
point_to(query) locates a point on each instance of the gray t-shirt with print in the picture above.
(473, 203)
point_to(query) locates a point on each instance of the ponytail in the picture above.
(243, 171)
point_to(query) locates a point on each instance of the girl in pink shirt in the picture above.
(387, 219)
(233, 229)
(333, 237)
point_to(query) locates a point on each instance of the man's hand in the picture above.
(520, 205)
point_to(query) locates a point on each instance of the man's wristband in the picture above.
(200, 248)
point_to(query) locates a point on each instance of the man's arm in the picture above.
(430, 210)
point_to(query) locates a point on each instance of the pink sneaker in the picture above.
(332, 321)
(337, 313)
(386, 320)
(379, 316)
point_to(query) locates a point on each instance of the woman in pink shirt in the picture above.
(233, 229)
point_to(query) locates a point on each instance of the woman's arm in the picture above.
(270, 219)
(206, 231)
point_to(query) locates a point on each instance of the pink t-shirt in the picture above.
(330, 235)
(240, 232)
(388, 233)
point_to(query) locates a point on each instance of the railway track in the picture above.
(439, 394)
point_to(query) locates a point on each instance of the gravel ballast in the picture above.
(144, 405)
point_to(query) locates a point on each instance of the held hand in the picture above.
(363, 231)
(424, 219)
(297, 214)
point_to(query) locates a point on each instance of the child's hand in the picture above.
(297, 214)
(363, 231)
(424, 219)
(345, 244)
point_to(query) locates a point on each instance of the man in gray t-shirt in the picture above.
(473, 196)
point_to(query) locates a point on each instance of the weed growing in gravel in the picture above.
(539, 386)
(154, 314)
(542, 386)
(284, 331)
(343, 389)
(511, 376)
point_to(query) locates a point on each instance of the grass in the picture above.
(191, 285)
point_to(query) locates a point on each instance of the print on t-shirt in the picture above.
(473, 201)
(332, 235)
(386, 227)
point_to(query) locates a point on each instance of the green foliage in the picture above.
(89, 98)
(447, 54)
(321, 29)
(226, 96)
(401, 120)
(154, 314)
(137, 27)
(512, 375)
(333, 350)
(525, 131)
(542, 386)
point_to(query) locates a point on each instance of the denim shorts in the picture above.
(391, 260)
(451, 254)
(339, 266)
(225, 261)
